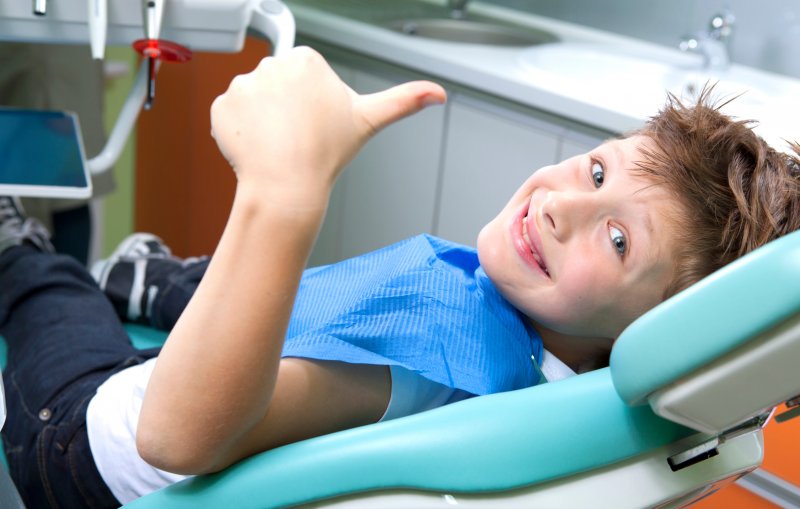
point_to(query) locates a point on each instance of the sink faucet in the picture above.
(40, 7)
(458, 8)
(713, 43)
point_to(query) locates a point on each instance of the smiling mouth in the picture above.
(534, 253)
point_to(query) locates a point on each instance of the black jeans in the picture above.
(176, 283)
(64, 340)
(72, 232)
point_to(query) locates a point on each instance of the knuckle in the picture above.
(265, 63)
(308, 54)
(215, 105)
(237, 82)
(239, 86)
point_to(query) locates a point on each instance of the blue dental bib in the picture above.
(424, 304)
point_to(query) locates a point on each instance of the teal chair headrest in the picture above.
(711, 318)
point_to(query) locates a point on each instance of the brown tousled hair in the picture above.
(737, 192)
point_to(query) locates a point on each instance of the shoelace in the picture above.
(36, 233)
(9, 212)
(14, 226)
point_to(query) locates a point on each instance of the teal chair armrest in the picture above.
(487, 444)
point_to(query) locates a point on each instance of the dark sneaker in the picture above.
(127, 276)
(16, 229)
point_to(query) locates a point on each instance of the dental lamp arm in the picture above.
(126, 120)
(274, 21)
(98, 27)
(270, 19)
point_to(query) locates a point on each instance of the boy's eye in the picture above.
(618, 240)
(598, 174)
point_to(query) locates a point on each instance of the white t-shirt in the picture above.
(113, 414)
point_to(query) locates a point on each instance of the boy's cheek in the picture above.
(489, 244)
(579, 278)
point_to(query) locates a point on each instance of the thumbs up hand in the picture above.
(292, 125)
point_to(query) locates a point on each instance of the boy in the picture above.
(580, 251)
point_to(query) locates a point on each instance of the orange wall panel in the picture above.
(184, 187)
(734, 497)
(781, 457)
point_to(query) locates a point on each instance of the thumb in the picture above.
(380, 109)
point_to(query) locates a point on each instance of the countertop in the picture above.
(501, 71)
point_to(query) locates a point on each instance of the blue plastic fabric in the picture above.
(423, 304)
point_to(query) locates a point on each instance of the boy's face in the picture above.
(584, 247)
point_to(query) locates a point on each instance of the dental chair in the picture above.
(677, 415)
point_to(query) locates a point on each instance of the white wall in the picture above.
(766, 35)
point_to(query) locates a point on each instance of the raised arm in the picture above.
(287, 129)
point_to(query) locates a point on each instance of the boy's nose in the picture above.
(566, 212)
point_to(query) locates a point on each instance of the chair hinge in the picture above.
(793, 410)
(708, 449)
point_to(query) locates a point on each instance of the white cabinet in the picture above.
(490, 151)
(576, 142)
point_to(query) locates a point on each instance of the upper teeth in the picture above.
(530, 246)
(525, 232)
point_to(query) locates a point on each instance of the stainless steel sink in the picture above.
(472, 32)
(432, 20)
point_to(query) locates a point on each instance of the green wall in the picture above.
(118, 206)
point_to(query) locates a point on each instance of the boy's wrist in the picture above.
(295, 201)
